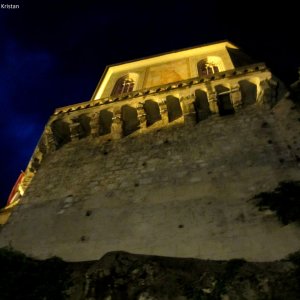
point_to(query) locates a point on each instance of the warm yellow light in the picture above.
(163, 58)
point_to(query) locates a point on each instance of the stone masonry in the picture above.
(180, 185)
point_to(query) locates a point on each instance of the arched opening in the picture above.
(61, 132)
(130, 119)
(201, 105)
(210, 65)
(152, 112)
(224, 102)
(174, 108)
(85, 127)
(248, 91)
(125, 84)
(105, 121)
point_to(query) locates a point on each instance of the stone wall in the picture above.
(178, 190)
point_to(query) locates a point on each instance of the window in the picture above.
(210, 65)
(123, 85)
(205, 68)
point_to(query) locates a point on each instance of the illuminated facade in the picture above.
(162, 139)
(172, 88)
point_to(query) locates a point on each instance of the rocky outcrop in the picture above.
(125, 276)
(120, 275)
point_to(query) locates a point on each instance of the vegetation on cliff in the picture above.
(25, 278)
(284, 201)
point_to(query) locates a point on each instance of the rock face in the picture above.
(120, 275)
(125, 276)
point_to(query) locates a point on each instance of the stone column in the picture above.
(236, 97)
(47, 143)
(267, 94)
(74, 130)
(94, 123)
(212, 98)
(188, 109)
(116, 126)
(163, 112)
(141, 116)
(213, 102)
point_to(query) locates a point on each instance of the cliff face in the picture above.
(120, 275)
(125, 276)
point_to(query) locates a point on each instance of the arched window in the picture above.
(205, 68)
(124, 84)
(210, 65)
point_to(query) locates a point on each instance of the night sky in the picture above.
(52, 53)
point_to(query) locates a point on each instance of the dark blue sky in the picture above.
(52, 53)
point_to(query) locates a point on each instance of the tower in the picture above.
(164, 159)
